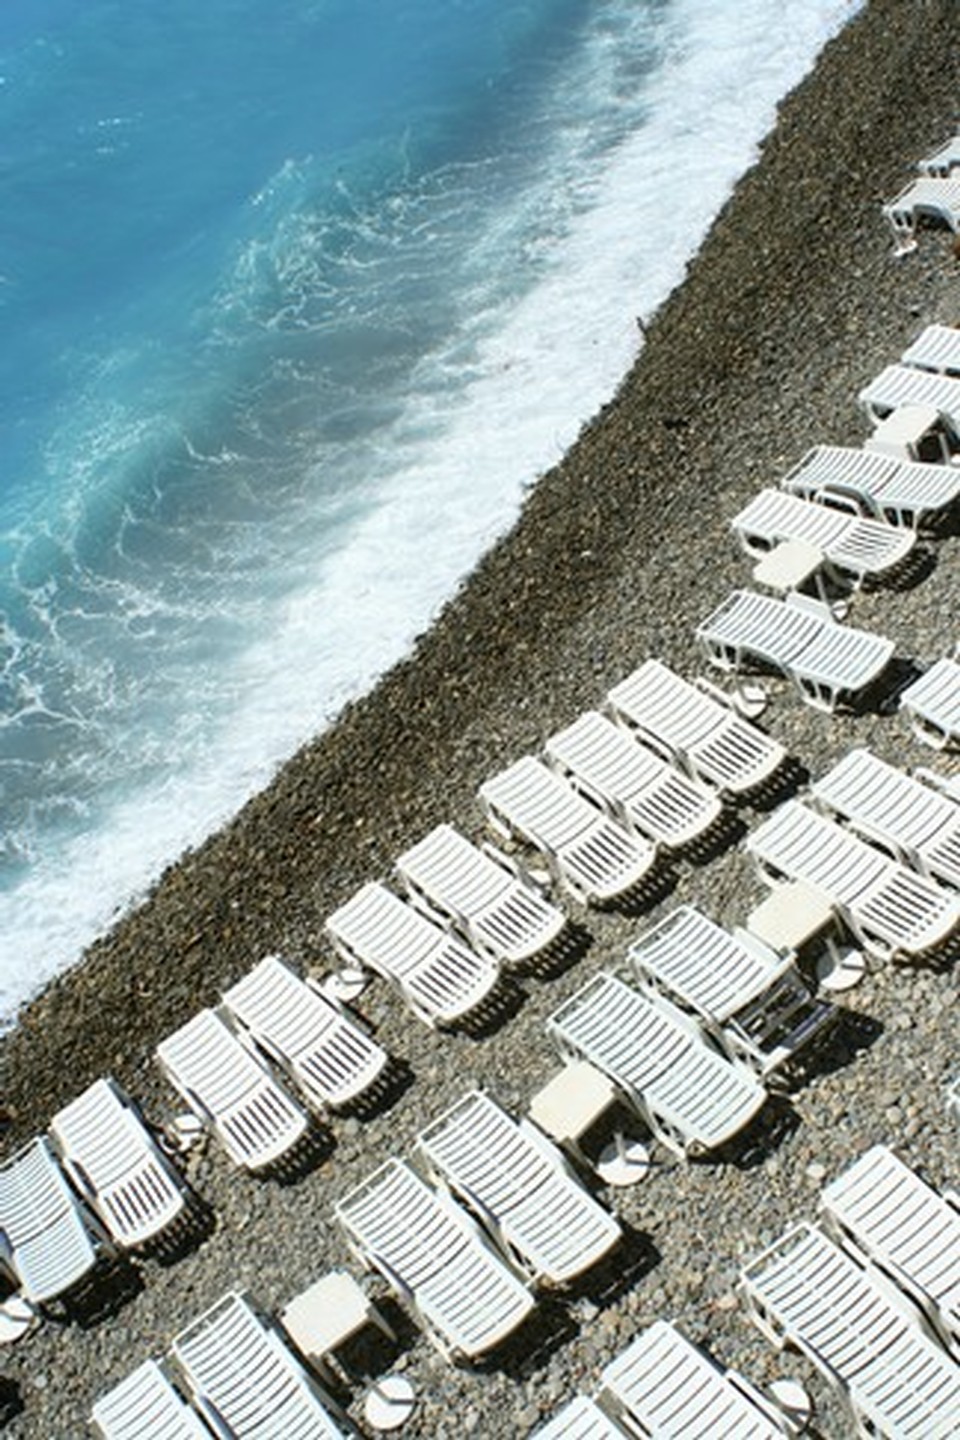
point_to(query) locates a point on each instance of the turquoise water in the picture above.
(296, 299)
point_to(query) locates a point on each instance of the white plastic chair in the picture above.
(893, 911)
(752, 1000)
(441, 978)
(686, 723)
(520, 1187)
(931, 197)
(906, 493)
(117, 1166)
(932, 704)
(919, 825)
(45, 1239)
(324, 1052)
(245, 1380)
(254, 1118)
(892, 1219)
(488, 897)
(691, 1096)
(829, 663)
(436, 1259)
(855, 547)
(664, 1386)
(805, 1292)
(606, 763)
(592, 856)
(937, 349)
(146, 1406)
(899, 385)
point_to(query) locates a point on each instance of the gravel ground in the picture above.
(792, 305)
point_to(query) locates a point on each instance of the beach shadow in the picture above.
(11, 1401)
(900, 673)
(653, 889)
(394, 1080)
(725, 833)
(187, 1234)
(560, 955)
(312, 1150)
(101, 1295)
(629, 1263)
(546, 1330)
(852, 1034)
(782, 785)
(762, 1137)
(914, 570)
(502, 1003)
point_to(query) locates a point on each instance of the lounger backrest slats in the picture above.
(932, 704)
(901, 492)
(537, 1208)
(901, 1224)
(145, 1406)
(664, 1386)
(680, 720)
(690, 1095)
(117, 1165)
(328, 1056)
(580, 1419)
(256, 1120)
(467, 1297)
(804, 1290)
(899, 385)
(242, 1375)
(937, 349)
(43, 1233)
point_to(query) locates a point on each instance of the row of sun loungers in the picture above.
(934, 195)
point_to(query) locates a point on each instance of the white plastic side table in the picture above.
(570, 1104)
(328, 1313)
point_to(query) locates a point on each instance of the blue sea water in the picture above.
(296, 299)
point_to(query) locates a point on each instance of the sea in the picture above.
(297, 300)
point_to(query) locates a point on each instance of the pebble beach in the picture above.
(793, 303)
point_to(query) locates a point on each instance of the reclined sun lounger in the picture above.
(46, 1241)
(685, 723)
(830, 664)
(519, 1186)
(896, 1222)
(436, 1259)
(580, 1419)
(919, 825)
(894, 912)
(805, 1292)
(592, 856)
(856, 548)
(117, 1166)
(899, 385)
(486, 895)
(255, 1120)
(936, 349)
(606, 763)
(932, 704)
(441, 978)
(931, 197)
(908, 493)
(943, 161)
(689, 1094)
(664, 1386)
(325, 1053)
(145, 1406)
(753, 1001)
(246, 1381)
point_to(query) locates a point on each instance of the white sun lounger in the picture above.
(664, 1386)
(897, 1222)
(931, 197)
(608, 764)
(829, 663)
(145, 1406)
(899, 385)
(752, 1000)
(595, 858)
(45, 1240)
(116, 1165)
(520, 1187)
(436, 1259)
(256, 1121)
(685, 723)
(246, 1381)
(690, 1095)
(907, 493)
(893, 911)
(488, 897)
(857, 548)
(325, 1053)
(942, 161)
(936, 349)
(441, 978)
(920, 825)
(580, 1419)
(932, 704)
(805, 1292)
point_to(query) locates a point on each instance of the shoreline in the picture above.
(791, 304)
